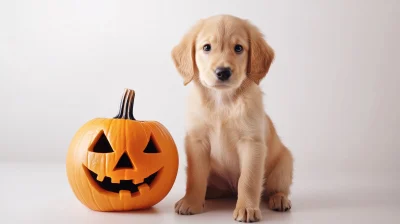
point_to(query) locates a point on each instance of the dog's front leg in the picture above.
(252, 158)
(198, 169)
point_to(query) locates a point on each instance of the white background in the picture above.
(332, 91)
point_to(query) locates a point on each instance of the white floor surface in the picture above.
(33, 193)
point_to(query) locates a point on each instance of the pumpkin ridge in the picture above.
(76, 171)
(91, 193)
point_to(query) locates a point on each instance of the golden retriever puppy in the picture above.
(231, 144)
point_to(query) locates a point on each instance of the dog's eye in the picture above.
(207, 48)
(238, 48)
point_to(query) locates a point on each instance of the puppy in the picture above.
(231, 145)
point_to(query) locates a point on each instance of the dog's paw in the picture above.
(247, 214)
(279, 202)
(187, 206)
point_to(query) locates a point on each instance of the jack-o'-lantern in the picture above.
(121, 164)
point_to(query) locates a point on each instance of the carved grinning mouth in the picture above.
(123, 185)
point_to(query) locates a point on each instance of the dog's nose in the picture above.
(223, 73)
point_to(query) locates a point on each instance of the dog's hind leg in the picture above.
(278, 182)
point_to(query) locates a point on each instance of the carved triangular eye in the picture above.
(151, 147)
(102, 145)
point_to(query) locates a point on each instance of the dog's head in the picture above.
(221, 52)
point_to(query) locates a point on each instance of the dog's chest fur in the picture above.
(223, 136)
(225, 167)
(226, 122)
(223, 120)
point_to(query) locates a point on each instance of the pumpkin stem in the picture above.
(126, 106)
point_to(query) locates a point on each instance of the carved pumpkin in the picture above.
(122, 164)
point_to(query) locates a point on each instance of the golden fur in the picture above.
(231, 144)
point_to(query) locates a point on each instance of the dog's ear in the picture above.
(183, 54)
(261, 55)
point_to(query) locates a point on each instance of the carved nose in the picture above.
(223, 73)
(124, 162)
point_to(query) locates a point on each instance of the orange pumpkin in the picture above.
(122, 164)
